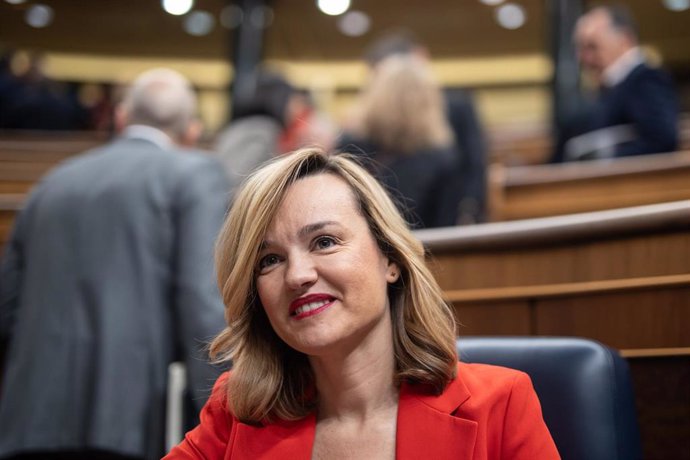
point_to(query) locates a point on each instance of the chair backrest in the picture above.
(584, 388)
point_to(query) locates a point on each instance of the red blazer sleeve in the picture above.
(209, 440)
(526, 436)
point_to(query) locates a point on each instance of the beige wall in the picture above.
(507, 89)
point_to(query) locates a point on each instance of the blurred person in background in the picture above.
(31, 100)
(308, 126)
(107, 279)
(401, 125)
(463, 119)
(9, 85)
(636, 109)
(269, 117)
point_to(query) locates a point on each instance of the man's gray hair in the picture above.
(621, 18)
(161, 98)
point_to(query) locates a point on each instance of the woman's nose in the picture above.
(301, 272)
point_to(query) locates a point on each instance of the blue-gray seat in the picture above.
(584, 388)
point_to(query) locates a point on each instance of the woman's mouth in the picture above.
(310, 305)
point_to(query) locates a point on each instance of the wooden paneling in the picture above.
(19, 177)
(621, 277)
(609, 245)
(299, 31)
(549, 190)
(631, 257)
(507, 318)
(662, 396)
(635, 319)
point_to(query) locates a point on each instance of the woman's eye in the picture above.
(324, 242)
(267, 261)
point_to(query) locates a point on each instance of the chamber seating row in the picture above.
(621, 277)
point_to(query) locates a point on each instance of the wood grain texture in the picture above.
(559, 189)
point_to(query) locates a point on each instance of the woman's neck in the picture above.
(359, 383)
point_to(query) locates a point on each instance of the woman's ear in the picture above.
(392, 273)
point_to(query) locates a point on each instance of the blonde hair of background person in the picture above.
(269, 379)
(402, 108)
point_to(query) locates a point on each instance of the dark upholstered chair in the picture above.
(584, 388)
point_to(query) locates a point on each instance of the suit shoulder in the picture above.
(195, 157)
(191, 163)
(482, 372)
(491, 381)
(645, 73)
(74, 166)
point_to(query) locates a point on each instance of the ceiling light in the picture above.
(199, 23)
(15, 2)
(177, 7)
(491, 2)
(511, 16)
(39, 16)
(333, 7)
(354, 24)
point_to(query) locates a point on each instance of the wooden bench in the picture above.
(520, 266)
(46, 146)
(20, 177)
(548, 190)
(519, 143)
(25, 156)
(621, 277)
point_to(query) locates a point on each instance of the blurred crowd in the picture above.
(31, 100)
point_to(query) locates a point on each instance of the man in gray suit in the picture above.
(108, 277)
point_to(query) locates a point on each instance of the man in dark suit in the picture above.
(463, 119)
(636, 111)
(108, 278)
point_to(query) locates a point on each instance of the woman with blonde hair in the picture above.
(401, 124)
(341, 343)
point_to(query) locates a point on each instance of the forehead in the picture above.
(318, 196)
(593, 25)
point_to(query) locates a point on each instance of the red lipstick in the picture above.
(324, 299)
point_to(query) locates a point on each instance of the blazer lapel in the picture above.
(293, 440)
(427, 427)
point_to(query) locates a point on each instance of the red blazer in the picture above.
(486, 413)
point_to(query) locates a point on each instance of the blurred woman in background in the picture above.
(401, 125)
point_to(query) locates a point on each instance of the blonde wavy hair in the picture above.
(402, 108)
(271, 380)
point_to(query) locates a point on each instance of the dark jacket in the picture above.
(472, 156)
(424, 184)
(644, 105)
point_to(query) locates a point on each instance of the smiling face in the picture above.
(321, 277)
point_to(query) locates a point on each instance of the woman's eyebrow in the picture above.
(304, 231)
(315, 227)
